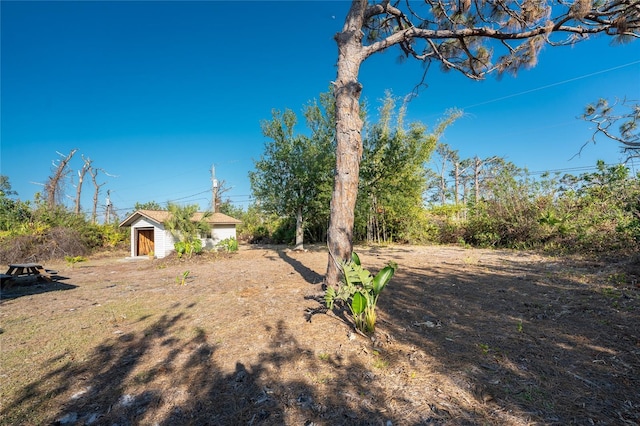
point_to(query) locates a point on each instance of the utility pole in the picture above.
(107, 213)
(214, 187)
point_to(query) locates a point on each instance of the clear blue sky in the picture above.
(156, 92)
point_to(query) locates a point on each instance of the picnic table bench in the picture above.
(18, 270)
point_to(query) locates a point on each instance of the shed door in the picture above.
(145, 241)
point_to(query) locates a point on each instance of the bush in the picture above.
(56, 243)
(228, 244)
(259, 235)
(285, 232)
(188, 247)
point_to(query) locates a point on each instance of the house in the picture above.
(148, 233)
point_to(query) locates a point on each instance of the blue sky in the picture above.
(155, 93)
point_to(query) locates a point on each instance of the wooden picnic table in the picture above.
(18, 270)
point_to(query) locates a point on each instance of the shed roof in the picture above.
(161, 216)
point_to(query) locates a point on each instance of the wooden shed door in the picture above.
(145, 241)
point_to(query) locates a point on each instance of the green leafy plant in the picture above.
(182, 279)
(229, 244)
(484, 348)
(186, 225)
(188, 247)
(72, 260)
(181, 248)
(360, 291)
(617, 279)
(379, 361)
(323, 356)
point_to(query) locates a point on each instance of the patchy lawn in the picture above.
(464, 337)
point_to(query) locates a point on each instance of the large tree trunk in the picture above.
(348, 141)
(299, 230)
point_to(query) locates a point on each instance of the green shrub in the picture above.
(360, 290)
(72, 260)
(228, 244)
(188, 247)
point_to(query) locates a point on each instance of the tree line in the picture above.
(414, 189)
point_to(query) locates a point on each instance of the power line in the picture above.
(552, 85)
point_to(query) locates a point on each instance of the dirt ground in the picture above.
(464, 337)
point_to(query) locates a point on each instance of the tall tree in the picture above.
(393, 175)
(288, 178)
(461, 36)
(483, 171)
(464, 178)
(216, 197)
(320, 120)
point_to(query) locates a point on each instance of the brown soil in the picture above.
(464, 337)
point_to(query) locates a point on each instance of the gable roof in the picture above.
(161, 216)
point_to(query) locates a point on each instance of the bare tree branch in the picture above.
(53, 187)
(81, 174)
(619, 126)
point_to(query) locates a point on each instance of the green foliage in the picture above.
(186, 225)
(12, 213)
(228, 244)
(360, 290)
(597, 212)
(603, 210)
(182, 279)
(260, 227)
(33, 228)
(72, 260)
(294, 175)
(393, 178)
(284, 231)
(149, 205)
(96, 236)
(420, 229)
(226, 207)
(490, 202)
(188, 248)
(112, 235)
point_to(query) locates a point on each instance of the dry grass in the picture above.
(464, 337)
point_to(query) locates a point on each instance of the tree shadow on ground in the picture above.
(308, 274)
(523, 339)
(29, 287)
(511, 342)
(124, 381)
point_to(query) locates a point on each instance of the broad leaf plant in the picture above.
(360, 291)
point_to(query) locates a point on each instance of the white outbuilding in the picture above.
(148, 232)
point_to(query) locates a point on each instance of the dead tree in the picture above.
(53, 187)
(94, 178)
(81, 173)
